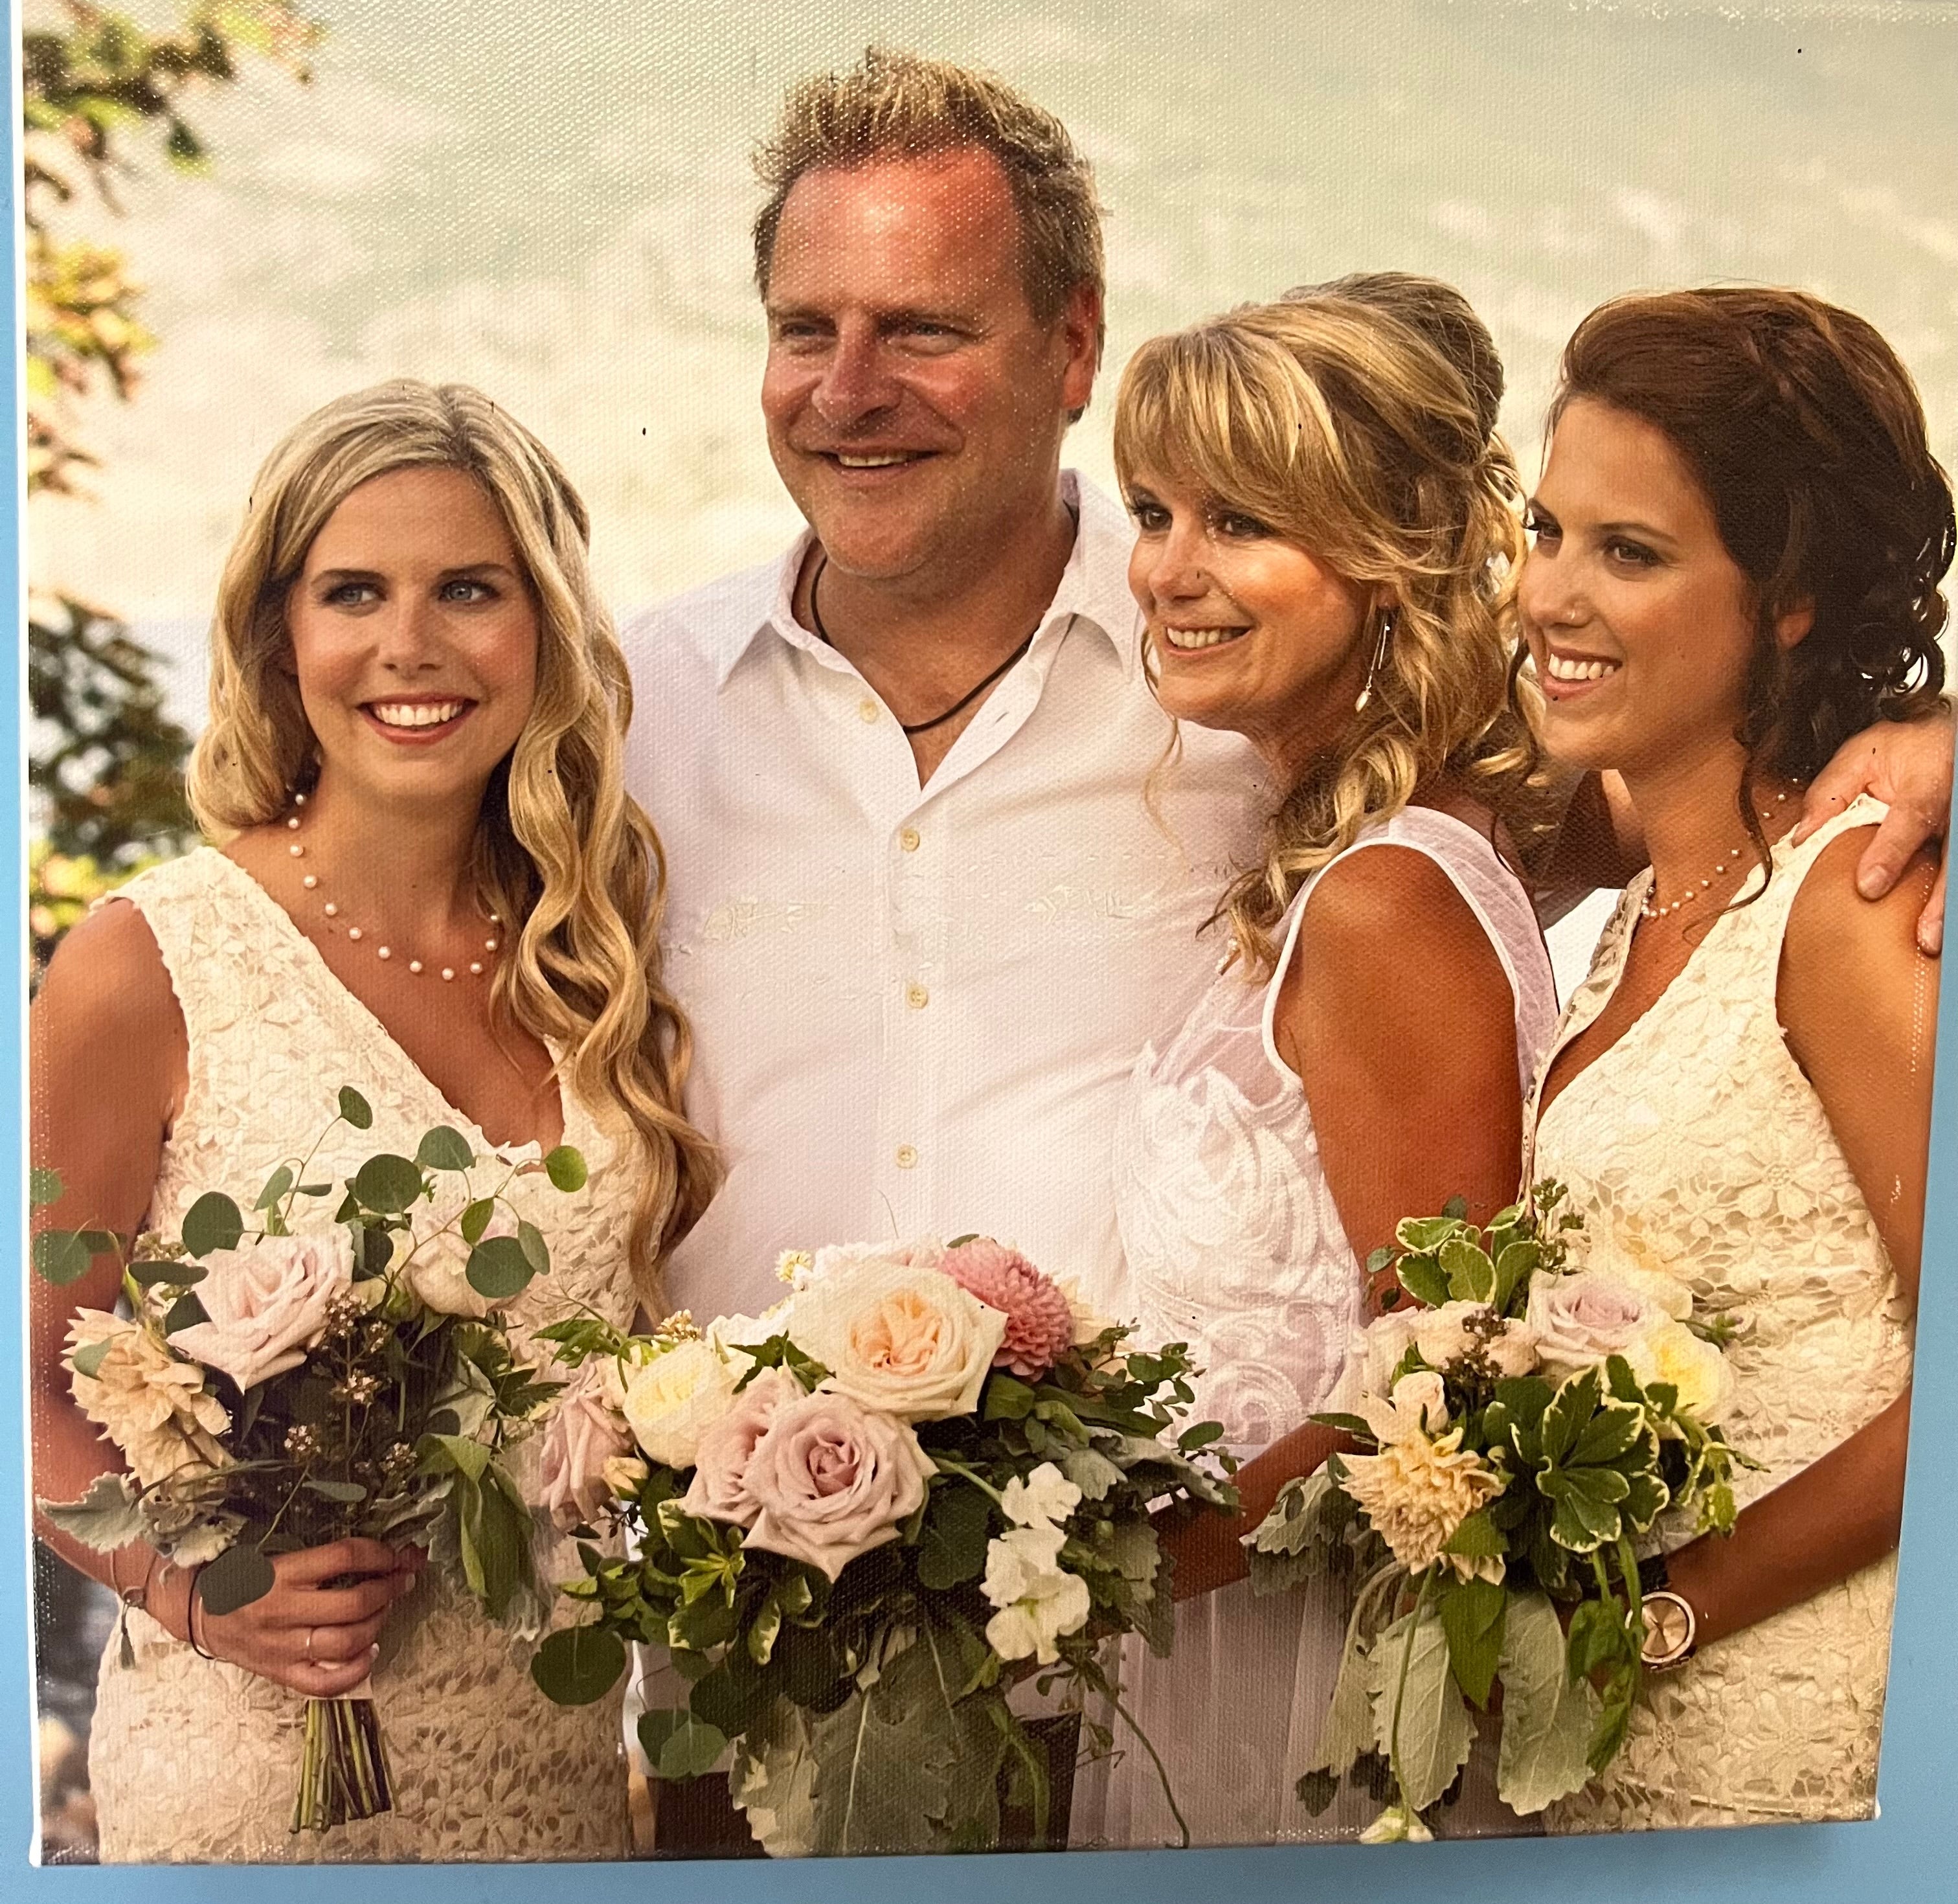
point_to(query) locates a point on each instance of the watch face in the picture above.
(1668, 1626)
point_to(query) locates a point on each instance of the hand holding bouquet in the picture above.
(296, 1402)
(855, 1517)
(1523, 1425)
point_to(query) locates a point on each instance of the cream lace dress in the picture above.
(1695, 1145)
(1236, 1247)
(193, 1761)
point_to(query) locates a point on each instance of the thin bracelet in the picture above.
(190, 1618)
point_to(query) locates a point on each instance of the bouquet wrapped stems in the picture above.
(343, 1768)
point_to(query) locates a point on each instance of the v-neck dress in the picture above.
(192, 1760)
(1694, 1145)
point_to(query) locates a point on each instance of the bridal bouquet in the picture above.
(856, 1519)
(277, 1385)
(1523, 1425)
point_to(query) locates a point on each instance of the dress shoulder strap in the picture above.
(1495, 896)
(1754, 931)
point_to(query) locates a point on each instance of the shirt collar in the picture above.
(1093, 588)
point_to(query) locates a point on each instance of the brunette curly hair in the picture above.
(1807, 436)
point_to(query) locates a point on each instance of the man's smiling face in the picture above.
(914, 404)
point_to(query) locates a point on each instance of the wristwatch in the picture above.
(1672, 1628)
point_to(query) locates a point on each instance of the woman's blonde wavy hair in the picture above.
(562, 855)
(1347, 421)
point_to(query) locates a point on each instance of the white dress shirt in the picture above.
(916, 1010)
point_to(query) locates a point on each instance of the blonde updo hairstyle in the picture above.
(1359, 433)
(564, 857)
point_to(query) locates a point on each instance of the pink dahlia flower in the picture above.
(1039, 1324)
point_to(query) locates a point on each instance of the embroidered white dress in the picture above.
(195, 1761)
(1695, 1145)
(1236, 1247)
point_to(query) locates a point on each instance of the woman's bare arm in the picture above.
(1858, 1000)
(1398, 1017)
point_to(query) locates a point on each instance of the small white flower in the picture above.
(793, 1267)
(1039, 1601)
(1045, 1498)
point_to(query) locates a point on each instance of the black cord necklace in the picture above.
(958, 706)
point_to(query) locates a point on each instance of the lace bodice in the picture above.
(1694, 1145)
(195, 1761)
(1233, 1242)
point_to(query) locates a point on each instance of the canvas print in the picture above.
(955, 935)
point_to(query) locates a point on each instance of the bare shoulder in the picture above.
(107, 992)
(1835, 933)
(1385, 908)
(1390, 951)
(1852, 974)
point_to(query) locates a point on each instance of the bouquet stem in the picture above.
(343, 1771)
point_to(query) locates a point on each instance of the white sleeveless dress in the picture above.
(193, 1761)
(1236, 1247)
(1695, 1145)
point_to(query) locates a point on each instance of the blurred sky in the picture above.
(552, 202)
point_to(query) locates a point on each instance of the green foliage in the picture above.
(577, 1665)
(565, 1166)
(1547, 1717)
(106, 1518)
(1420, 1720)
(212, 1223)
(240, 1574)
(443, 1149)
(65, 1256)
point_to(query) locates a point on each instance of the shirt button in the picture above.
(916, 996)
(909, 840)
(867, 710)
(907, 1156)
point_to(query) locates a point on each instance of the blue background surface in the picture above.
(1907, 1855)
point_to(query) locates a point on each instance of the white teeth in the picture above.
(1199, 637)
(872, 462)
(1569, 667)
(416, 713)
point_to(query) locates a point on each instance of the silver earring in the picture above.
(1379, 655)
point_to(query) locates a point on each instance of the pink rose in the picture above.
(831, 1480)
(1039, 1322)
(1580, 1318)
(720, 1489)
(268, 1303)
(587, 1430)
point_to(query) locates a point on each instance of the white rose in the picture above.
(726, 1335)
(673, 1400)
(1039, 1601)
(1580, 1319)
(1445, 1335)
(436, 1270)
(906, 1341)
(1695, 1367)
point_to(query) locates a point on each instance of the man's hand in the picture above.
(1908, 765)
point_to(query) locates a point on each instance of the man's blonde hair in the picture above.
(895, 105)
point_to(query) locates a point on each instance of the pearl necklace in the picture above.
(1647, 910)
(311, 882)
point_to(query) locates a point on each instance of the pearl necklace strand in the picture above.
(1647, 910)
(386, 953)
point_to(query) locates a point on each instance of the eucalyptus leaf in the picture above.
(184, 1312)
(377, 1251)
(239, 1575)
(388, 1183)
(44, 1187)
(214, 1222)
(530, 1240)
(276, 1185)
(443, 1148)
(565, 1166)
(151, 1274)
(578, 1665)
(1547, 1720)
(87, 1360)
(64, 1256)
(354, 1109)
(498, 1268)
(476, 1219)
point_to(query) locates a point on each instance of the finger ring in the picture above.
(310, 1631)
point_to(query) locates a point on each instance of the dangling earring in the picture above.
(1379, 655)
